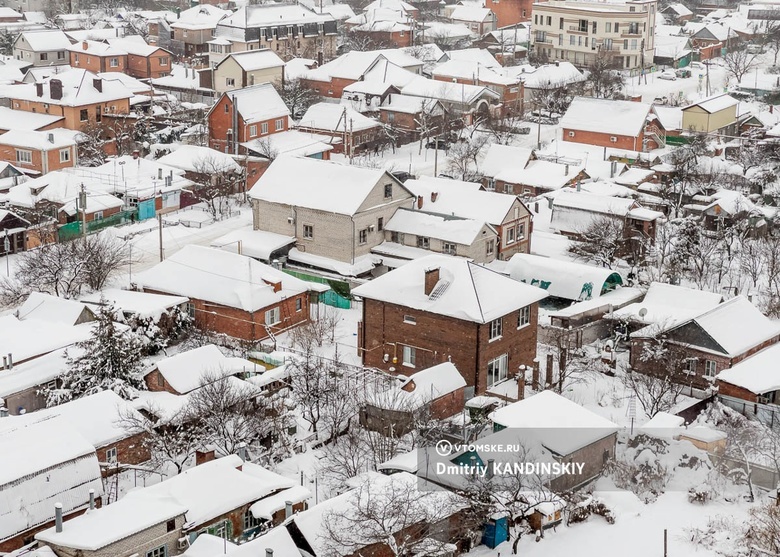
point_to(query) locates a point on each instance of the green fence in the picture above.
(339, 294)
(73, 229)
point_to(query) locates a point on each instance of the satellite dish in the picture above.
(642, 312)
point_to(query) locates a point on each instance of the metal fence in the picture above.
(331, 297)
(74, 229)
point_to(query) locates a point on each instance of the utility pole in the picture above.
(160, 226)
(7, 247)
(83, 206)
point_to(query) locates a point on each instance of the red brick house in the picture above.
(41, 151)
(350, 131)
(438, 309)
(412, 116)
(389, 34)
(97, 57)
(144, 61)
(624, 125)
(509, 12)
(707, 344)
(245, 299)
(244, 115)
(472, 72)
(754, 380)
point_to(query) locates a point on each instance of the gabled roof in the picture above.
(264, 15)
(625, 118)
(499, 158)
(204, 16)
(186, 371)
(220, 277)
(47, 140)
(336, 118)
(758, 374)
(48, 40)
(141, 304)
(462, 199)
(135, 45)
(78, 89)
(96, 48)
(257, 103)
(713, 104)
(443, 227)
(50, 308)
(667, 305)
(465, 290)
(678, 9)
(252, 60)
(479, 55)
(447, 91)
(197, 158)
(346, 191)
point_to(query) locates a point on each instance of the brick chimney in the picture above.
(55, 87)
(277, 285)
(136, 154)
(431, 278)
(97, 83)
(85, 45)
(39, 89)
(203, 456)
(419, 201)
(434, 195)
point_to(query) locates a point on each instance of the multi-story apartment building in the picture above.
(581, 31)
(290, 30)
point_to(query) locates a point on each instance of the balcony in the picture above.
(577, 29)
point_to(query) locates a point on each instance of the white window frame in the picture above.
(230, 81)
(496, 329)
(111, 455)
(524, 317)
(510, 235)
(113, 62)
(410, 320)
(363, 236)
(690, 363)
(308, 231)
(490, 247)
(64, 155)
(23, 156)
(497, 369)
(161, 551)
(449, 248)
(264, 128)
(273, 316)
(97, 215)
(279, 124)
(710, 368)
(253, 130)
(409, 356)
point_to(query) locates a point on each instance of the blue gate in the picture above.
(146, 209)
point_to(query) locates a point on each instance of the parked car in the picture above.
(525, 130)
(668, 74)
(438, 144)
(755, 49)
(697, 65)
(683, 72)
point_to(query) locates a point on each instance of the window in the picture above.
(253, 130)
(524, 316)
(594, 27)
(64, 155)
(423, 242)
(44, 55)
(308, 231)
(111, 454)
(191, 309)
(380, 224)
(61, 55)
(496, 328)
(560, 39)
(279, 124)
(490, 247)
(388, 191)
(633, 44)
(170, 526)
(710, 368)
(549, 20)
(625, 44)
(84, 115)
(583, 26)
(227, 108)
(397, 237)
(164, 61)
(98, 114)
(264, 128)
(230, 81)
(23, 156)
(609, 27)
(536, 19)
(496, 370)
(521, 231)
(449, 248)
(409, 356)
(560, 23)
(250, 521)
(410, 319)
(363, 236)
(390, 117)
(690, 366)
(617, 27)
(607, 44)
(76, 59)
(572, 40)
(161, 551)
(98, 215)
(510, 236)
(272, 316)
(298, 304)
(541, 36)
(491, 184)
(113, 62)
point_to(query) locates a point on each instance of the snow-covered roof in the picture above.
(443, 227)
(715, 103)
(259, 102)
(264, 15)
(109, 524)
(48, 40)
(48, 140)
(265, 508)
(96, 48)
(348, 186)
(471, 14)
(634, 176)
(678, 9)
(196, 158)
(141, 304)
(135, 45)
(253, 243)
(21, 120)
(541, 174)
(758, 374)
(557, 74)
(411, 105)
(96, 417)
(462, 199)
(44, 463)
(606, 116)
(464, 289)
(78, 89)
(336, 118)
(31, 338)
(616, 298)
(470, 70)
(290, 142)
(278, 539)
(208, 545)
(563, 426)
(673, 47)
(51, 308)
(754, 327)
(406, 462)
(203, 16)
(188, 370)
(354, 64)
(480, 55)
(667, 304)
(669, 116)
(33, 373)
(261, 59)
(603, 204)
(562, 279)
(460, 93)
(433, 382)
(500, 158)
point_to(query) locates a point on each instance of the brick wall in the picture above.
(333, 89)
(439, 339)
(729, 389)
(593, 456)
(509, 12)
(604, 139)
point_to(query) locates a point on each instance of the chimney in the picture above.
(434, 195)
(566, 170)
(159, 173)
(58, 517)
(92, 499)
(39, 89)
(10, 361)
(288, 509)
(241, 451)
(202, 456)
(431, 278)
(277, 285)
(5, 362)
(97, 83)
(489, 471)
(55, 87)
(269, 552)
(84, 45)
(3, 412)
(613, 168)
(419, 201)
(50, 137)
(136, 154)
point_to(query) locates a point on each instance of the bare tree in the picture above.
(764, 529)
(314, 386)
(91, 142)
(216, 181)
(604, 76)
(318, 330)
(297, 95)
(772, 39)
(463, 158)
(739, 62)
(601, 241)
(751, 259)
